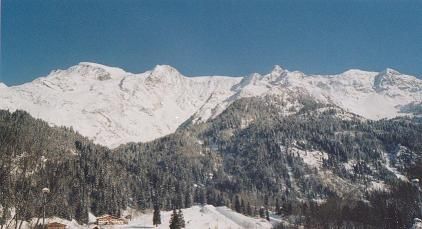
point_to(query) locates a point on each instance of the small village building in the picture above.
(56, 225)
(110, 220)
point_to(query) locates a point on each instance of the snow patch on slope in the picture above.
(377, 186)
(312, 158)
(392, 169)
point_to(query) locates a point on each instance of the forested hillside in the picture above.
(305, 162)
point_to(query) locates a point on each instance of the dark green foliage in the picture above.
(181, 219)
(267, 215)
(174, 220)
(156, 218)
(249, 210)
(262, 212)
(394, 209)
(85, 177)
(237, 204)
(177, 221)
(277, 207)
(415, 108)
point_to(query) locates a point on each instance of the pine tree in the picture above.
(262, 212)
(202, 197)
(188, 199)
(237, 204)
(181, 219)
(174, 220)
(277, 207)
(267, 215)
(243, 207)
(249, 209)
(156, 219)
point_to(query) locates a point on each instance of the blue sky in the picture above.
(210, 37)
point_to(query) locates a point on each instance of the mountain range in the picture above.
(112, 107)
(336, 151)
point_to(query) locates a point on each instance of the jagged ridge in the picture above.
(112, 106)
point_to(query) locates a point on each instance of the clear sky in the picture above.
(210, 37)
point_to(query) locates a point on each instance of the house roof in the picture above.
(56, 224)
(108, 217)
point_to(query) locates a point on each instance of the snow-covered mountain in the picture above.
(372, 95)
(112, 106)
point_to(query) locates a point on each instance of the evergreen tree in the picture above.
(179, 197)
(267, 215)
(262, 212)
(243, 207)
(237, 204)
(188, 199)
(202, 197)
(174, 220)
(181, 219)
(249, 210)
(156, 219)
(277, 207)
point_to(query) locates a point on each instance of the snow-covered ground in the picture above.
(196, 217)
(112, 106)
(71, 224)
(417, 224)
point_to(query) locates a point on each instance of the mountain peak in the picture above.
(354, 71)
(90, 70)
(96, 66)
(92, 64)
(164, 70)
(276, 74)
(277, 69)
(390, 72)
(164, 73)
(385, 79)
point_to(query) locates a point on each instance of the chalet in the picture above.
(55, 225)
(110, 220)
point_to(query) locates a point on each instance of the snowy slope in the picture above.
(206, 216)
(112, 106)
(369, 94)
(195, 217)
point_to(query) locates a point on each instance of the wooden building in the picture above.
(110, 220)
(55, 225)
